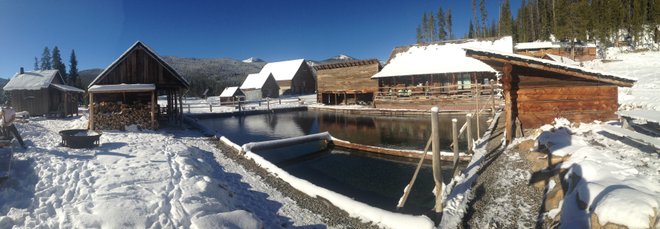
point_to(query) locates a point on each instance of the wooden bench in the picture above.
(621, 132)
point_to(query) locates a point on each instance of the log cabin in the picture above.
(294, 77)
(231, 95)
(43, 93)
(130, 85)
(577, 51)
(347, 82)
(537, 91)
(257, 87)
(439, 74)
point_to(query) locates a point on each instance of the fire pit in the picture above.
(80, 138)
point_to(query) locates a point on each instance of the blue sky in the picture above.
(100, 31)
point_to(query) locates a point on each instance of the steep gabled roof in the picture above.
(228, 92)
(35, 80)
(500, 58)
(283, 70)
(447, 57)
(150, 52)
(255, 81)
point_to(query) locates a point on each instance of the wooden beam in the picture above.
(506, 86)
(153, 109)
(90, 124)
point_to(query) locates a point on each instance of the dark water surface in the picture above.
(373, 179)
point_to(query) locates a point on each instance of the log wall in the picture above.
(354, 78)
(138, 67)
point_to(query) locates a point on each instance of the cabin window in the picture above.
(464, 81)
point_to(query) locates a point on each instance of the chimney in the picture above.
(21, 71)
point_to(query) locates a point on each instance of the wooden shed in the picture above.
(132, 83)
(294, 77)
(257, 86)
(537, 91)
(347, 82)
(43, 93)
(231, 95)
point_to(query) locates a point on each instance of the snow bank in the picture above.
(617, 182)
(354, 208)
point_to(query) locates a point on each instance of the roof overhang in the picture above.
(120, 88)
(67, 88)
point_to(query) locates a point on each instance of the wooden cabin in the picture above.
(231, 95)
(537, 91)
(422, 76)
(257, 86)
(126, 92)
(294, 77)
(43, 93)
(577, 51)
(347, 82)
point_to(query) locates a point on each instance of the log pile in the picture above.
(114, 116)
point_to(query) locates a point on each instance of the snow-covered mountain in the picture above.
(253, 60)
(332, 60)
(342, 57)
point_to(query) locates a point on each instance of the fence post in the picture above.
(210, 107)
(268, 103)
(468, 120)
(188, 107)
(437, 170)
(454, 138)
(492, 96)
(477, 113)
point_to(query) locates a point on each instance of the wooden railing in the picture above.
(402, 92)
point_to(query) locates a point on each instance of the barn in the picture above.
(126, 92)
(257, 86)
(537, 91)
(294, 77)
(231, 94)
(43, 93)
(422, 76)
(347, 82)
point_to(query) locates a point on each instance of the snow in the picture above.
(148, 179)
(562, 59)
(67, 88)
(35, 80)
(255, 81)
(282, 70)
(618, 182)
(536, 45)
(354, 208)
(441, 58)
(643, 115)
(122, 88)
(252, 60)
(228, 92)
(645, 94)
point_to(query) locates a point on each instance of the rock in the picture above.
(595, 224)
(553, 198)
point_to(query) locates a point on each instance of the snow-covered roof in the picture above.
(441, 58)
(255, 81)
(536, 45)
(67, 88)
(111, 88)
(35, 80)
(148, 51)
(544, 64)
(229, 92)
(283, 70)
(561, 59)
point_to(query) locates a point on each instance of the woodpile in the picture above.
(115, 116)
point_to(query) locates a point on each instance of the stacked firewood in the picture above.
(115, 116)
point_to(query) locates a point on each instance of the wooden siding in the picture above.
(138, 67)
(303, 82)
(354, 78)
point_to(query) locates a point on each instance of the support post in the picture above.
(180, 110)
(492, 96)
(508, 106)
(468, 128)
(90, 125)
(454, 138)
(153, 110)
(66, 110)
(437, 170)
(268, 103)
(188, 107)
(478, 112)
(210, 107)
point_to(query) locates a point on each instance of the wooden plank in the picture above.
(632, 135)
(508, 101)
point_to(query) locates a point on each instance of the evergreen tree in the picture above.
(484, 15)
(73, 70)
(505, 25)
(475, 19)
(57, 62)
(419, 36)
(449, 24)
(442, 34)
(36, 64)
(433, 33)
(45, 59)
(471, 30)
(425, 29)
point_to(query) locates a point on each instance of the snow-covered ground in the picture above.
(150, 179)
(643, 66)
(197, 105)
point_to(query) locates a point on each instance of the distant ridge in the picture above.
(253, 60)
